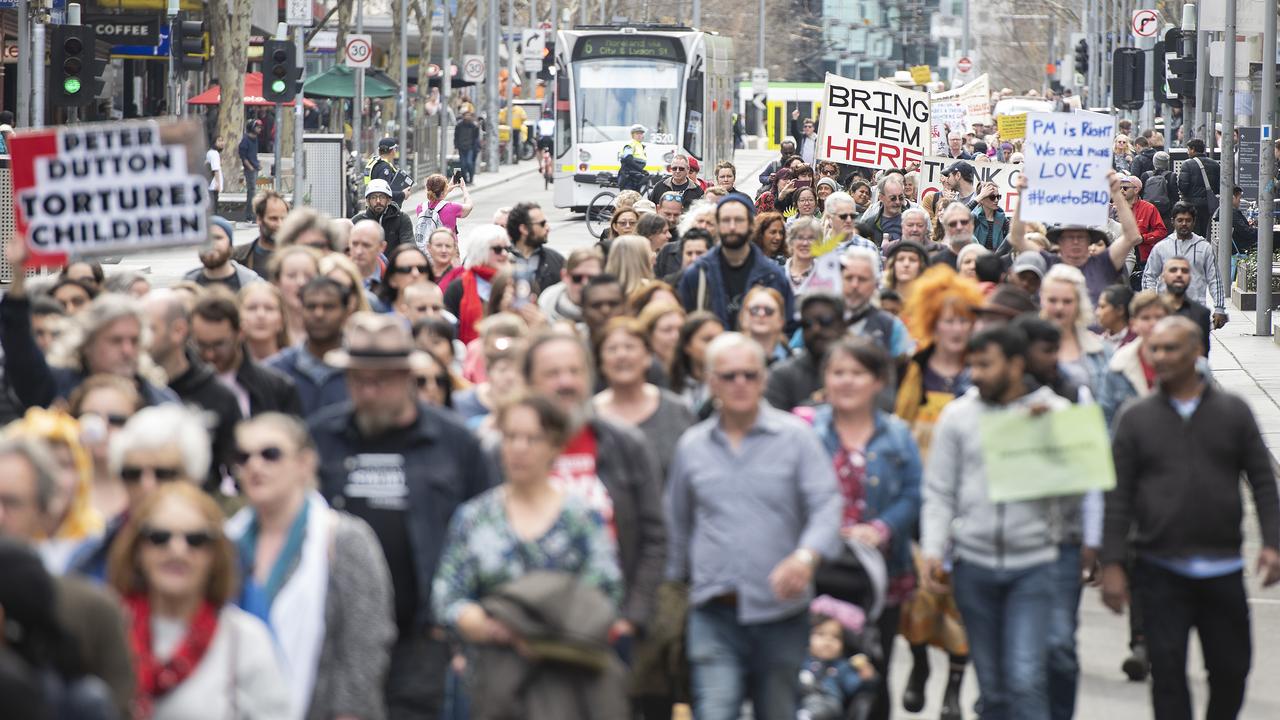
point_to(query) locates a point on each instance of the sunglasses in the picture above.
(579, 278)
(133, 473)
(115, 421)
(668, 197)
(959, 223)
(424, 380)
(895, 198)
(820, 321)
(540, 223)
(846, 216)
(501, 249)
(270, 454)
(735, 375)
(762, 311)
(677, 168)
(407, 269)
(163, 538)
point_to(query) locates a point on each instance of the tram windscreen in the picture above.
(613, 95)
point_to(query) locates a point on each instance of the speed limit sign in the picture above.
(359, 51)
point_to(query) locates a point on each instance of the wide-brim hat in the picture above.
(1008, 301)
(908, 246)
(1096, 234)
(373, 341)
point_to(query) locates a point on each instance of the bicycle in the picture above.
(600, 210)
(546, 164)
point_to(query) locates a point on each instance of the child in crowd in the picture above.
(836, 669)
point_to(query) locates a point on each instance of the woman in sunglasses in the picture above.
(315, 576)
(103, 404)
(195, 654)
(763, 319)
(486, 252)
(406, 265)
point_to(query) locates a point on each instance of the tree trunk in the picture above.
(337, 119)
(389, 106)
(229, 25)
(422, 128)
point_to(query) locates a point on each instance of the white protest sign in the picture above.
(1004, 175)
(944, 117)
(1068, 156)
(873, 124)
(100, 188)
(974, 97)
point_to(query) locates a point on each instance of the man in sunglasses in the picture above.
(403, 467)
(678, 182)
(882, 222)
(189, 377)
(397, 227)
(957, 229)
(752, 507)
(528, 228)
(563, 301)
(215, 333)
(794, 381)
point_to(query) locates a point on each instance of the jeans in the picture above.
(730, 661)
(467, 158)
(1064, 666)
(250, 189)
(416, 678)
(1218, 609)
(1007, 616)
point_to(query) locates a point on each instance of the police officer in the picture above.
(383, 167)
(632, 159)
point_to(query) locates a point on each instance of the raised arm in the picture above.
(1018, 229)
(467, 203)
(1121, 248)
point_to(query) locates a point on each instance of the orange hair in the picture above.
(937, 289)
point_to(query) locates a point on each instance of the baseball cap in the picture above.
(377, 186)
(960, 166)
(387, 143)
(1030, 262)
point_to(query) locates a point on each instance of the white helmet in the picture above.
(638, 128)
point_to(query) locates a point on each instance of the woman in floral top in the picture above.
(523, 525)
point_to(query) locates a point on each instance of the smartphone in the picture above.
(457, 177)
(523, 289)
(802, 183)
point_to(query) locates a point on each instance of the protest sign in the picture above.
(873, 124)
(1063, 452)
(944, 117)
(98, 188)
(921, 74)
(974, 97)
(1012, 127)
(1067, 159)
(1004, 175)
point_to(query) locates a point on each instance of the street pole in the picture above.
(697, 13)
(357, 102)
(403, 116)
(299, 119)
(491, 93)
(760, 37)
(582, 12)
(1189, 103)
(282, 33)
(964, 32)
(24, 64)
(37, 76)
(1202, 104)
(1051, 53)
(1227, 109)
(511, 81)
(446, 88)
(1266, 176)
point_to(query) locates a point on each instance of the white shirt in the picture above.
(214, 161)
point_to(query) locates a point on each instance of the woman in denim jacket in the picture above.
(878, 467)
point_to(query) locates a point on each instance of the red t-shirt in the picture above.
(574, 473)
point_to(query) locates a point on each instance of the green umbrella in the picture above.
(339, 81)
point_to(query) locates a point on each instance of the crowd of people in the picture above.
(382, 468)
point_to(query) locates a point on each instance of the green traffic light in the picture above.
(71, 85)
(277, 86)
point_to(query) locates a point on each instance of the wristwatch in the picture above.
(807, 556)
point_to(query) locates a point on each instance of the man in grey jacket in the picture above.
(1004, 553)
(1184, 242)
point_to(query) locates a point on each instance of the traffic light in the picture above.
(1082, 57)
(1128, 78)
(186, 42)
(72, 72)
(1181, 68)
(548, 61)
(279, 71)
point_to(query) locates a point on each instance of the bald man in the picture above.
(419, 301)
(1179, 456)
(364, 246)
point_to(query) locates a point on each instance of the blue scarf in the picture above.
(256, 598)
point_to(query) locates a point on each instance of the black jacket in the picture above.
(692, 191)
(200, 387)
(1178, 481)
(550, 263)
(397, 227)
(244, 255)
(670, 256)
(793, 382)
(466, 135)
(1191, 181)
(269, 390)
(1144, 161)
(446, 467)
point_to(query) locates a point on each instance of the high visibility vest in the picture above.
(368, 168)
(637, 150)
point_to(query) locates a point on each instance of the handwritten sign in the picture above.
(921, 74)
(1004, 175)
(873, 124)
(975, 97)
(1068, 156)
(944, 117)
(1012, 127)
(98, 188)
(1063, 452)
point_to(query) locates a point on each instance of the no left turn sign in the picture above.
(1146, 23)
(359, 51)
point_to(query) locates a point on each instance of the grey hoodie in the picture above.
(957, 515)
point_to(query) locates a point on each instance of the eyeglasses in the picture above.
(895, 198)
(828, 172)
(163, 538)
(762, 311)
(500, 249)
(735, 375)
(408, 269)
(626, 223)
(822, 321)
(112, 419)
(134, 473)
(424, 380)
(270, 454)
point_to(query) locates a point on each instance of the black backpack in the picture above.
(1155, 190)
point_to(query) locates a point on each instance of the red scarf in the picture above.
(471, 307)
(154, 678)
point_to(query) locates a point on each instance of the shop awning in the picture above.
(252, 94)
(339, 81)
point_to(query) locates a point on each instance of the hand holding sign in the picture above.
(873, 124)
(1069, 156)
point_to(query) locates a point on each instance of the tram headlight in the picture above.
(584, 156)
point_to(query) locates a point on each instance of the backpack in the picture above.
(428, 222)
(1155, 190)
